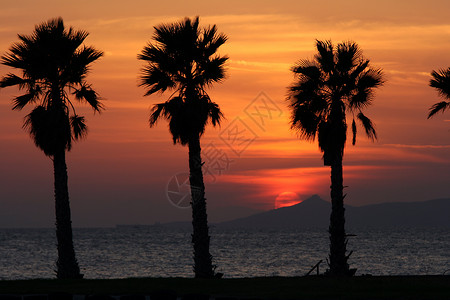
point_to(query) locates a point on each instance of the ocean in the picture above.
(158, 251)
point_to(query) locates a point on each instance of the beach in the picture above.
(311, 287)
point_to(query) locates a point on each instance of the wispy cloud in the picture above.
(259, 66)
(419, 146)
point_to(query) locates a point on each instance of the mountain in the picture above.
(312, 212)
(417, 214)
(228, 213)
(315, 212)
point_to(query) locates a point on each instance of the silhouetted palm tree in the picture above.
(441, 82)
(336, 82)
(182, 58)
(54, 65)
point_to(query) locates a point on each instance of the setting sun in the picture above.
(286, 199)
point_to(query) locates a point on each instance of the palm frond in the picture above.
(164, 34)
(167, 110)
(79, 64)
(156, 113)
(306, 99)
(12, 80)
(307, 69)
(154, 54)
(309, 81)
(210, 40)
(371, 78)
(215, 115)
(305, 122)
(77, 37)
(156, 80)
(368, 126)
(181, 120)
(354, 132)
(437, 107)
(79, 128)
(87, 55)
(309, 109)
(211, 71)
(20, 102)
(364, 88)
(85, 92)
(16, 57)
(347, 56)
(49, 129)
(325, 57)
(361, 99)
(441, 82)
(359, 69)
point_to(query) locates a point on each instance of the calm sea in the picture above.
(164, 252)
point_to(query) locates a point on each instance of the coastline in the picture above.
(311, 287)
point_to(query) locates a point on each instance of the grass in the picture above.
(376, 287)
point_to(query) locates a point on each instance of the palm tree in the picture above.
(337, 82)
(54, 65)
(182, 59)
(441, 82)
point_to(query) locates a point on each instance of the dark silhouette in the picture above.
(54, 65)
(314, 212)
(441, 82)
(182, 58)
(338, 81)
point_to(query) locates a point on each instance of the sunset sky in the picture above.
(122, 172)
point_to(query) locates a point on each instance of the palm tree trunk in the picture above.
(200, 238)
(338, 259)
(67, 265)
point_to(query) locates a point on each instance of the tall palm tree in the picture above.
(54, 65)
(337, 82)
(182, 59)
(441, 82)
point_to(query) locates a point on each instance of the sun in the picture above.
(286, 199)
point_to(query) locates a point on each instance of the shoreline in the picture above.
(311, 287)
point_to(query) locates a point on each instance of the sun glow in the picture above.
(286, 199)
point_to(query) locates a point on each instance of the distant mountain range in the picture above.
(315, 212)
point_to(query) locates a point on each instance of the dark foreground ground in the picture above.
(376, 287)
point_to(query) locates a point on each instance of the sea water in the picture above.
(158, 251)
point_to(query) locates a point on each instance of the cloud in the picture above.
(419, 146)
(258, 66)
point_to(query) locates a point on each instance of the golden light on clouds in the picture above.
(286, 199)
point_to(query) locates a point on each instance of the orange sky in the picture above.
(120, 174)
